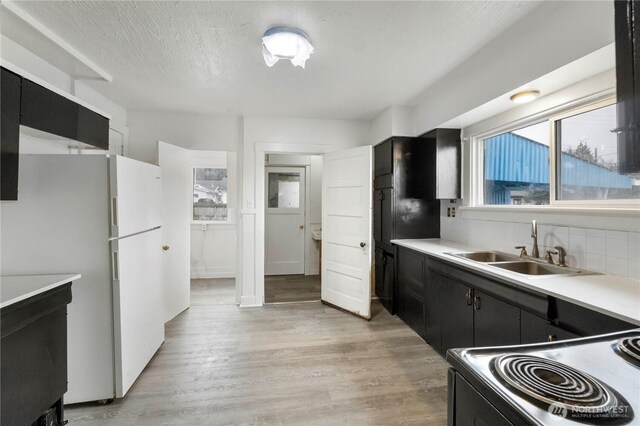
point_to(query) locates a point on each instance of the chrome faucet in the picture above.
(534, 234)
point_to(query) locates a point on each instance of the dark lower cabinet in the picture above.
(468, 407)
(411, 289)
(385, 278)
(496, 323)
(456, 318)
(432, 308)
(534, 329)
(9, 134)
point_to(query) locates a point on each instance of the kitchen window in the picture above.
(566, 159)
(210, 186)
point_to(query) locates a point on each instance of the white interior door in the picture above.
(346, 230)
(284, 220)
(138, 305)
(177, 196)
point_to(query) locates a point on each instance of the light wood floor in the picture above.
(297, 364)
(291, 288)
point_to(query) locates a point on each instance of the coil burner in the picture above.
(549, 382)
(630, 346)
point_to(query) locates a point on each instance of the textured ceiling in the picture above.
(206, 57)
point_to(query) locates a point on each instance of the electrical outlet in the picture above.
(453, 212)
(448, 211)
(204, 226)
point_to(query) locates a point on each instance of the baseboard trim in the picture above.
(211, 275)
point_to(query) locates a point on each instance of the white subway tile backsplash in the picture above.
(596, 262)
(597, 244)
(634, 246)
(634, 269)
(617, 266)
(596, 233)
(617, 244)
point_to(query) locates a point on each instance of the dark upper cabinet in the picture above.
(9, 134)
(627, 29)
(383, 154)
(403, 202)
(443, 173)
(45, 110)
(496, 323)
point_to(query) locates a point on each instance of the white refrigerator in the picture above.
(100, 217)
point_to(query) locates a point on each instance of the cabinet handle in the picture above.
(476, 303)
(468, 298)
(551, 338)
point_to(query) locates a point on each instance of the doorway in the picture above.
(292, 200)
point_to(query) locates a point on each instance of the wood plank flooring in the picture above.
(291, 288)
(297, 364)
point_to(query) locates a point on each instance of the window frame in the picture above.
(477, 162)
(211, 165)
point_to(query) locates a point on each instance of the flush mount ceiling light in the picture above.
(524, 97)
(286, 43)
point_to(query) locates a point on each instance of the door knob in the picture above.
(362, 244)
(165, 247)
(301, 226)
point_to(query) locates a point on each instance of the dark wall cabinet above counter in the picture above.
(29, 104)
(627, 29)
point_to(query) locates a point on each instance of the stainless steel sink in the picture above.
(486, 256)
(534, 268)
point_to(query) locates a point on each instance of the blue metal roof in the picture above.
(512, 158)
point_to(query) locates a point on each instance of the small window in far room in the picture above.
(210, 194)
(516, 167)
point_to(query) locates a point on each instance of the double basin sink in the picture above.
(520, 265)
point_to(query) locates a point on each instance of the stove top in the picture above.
(630, 346)
(593, 380)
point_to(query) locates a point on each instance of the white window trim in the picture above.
(577, 206)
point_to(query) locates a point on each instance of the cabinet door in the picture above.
(471, 408)
(534, 329)
(496, 323)
(627, 32)
(9, 134)
(385, 279)
(383, 159)
(377, 216)
(45, 110)
(432, 330)
(456, 313)
(411, 289)
(386, 218)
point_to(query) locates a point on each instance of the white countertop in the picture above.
(612, 295)
(14, 288)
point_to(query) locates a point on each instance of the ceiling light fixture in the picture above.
(286, 43)
(524, 97)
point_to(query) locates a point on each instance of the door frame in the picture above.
(306, 204)
(261, 149)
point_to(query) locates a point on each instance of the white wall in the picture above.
(287, 136)
(313, 216)
(191, 131)
(214, 245)
(552, 35)
(393, 121)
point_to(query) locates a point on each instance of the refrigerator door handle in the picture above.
(115, 265)
(114, 211)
